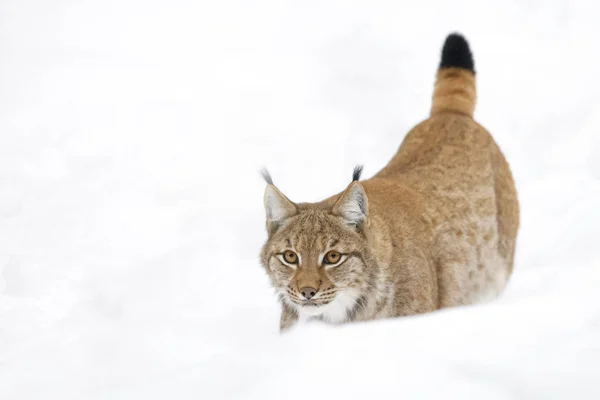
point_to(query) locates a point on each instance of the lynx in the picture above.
(435, 228)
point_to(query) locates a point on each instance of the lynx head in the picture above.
(316, 255)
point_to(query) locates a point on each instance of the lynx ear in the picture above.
(278, 207)
(352, 205)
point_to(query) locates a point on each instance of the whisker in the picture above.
(360, 306)
(314, 303)
(325, 298)
(328, 293)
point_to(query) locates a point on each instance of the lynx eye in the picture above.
(332, 257)
(290, 257)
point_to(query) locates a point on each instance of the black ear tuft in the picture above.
(456, 53)
(357, 172)
(266, 176)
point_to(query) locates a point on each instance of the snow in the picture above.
(131, 211)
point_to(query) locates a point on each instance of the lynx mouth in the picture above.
(309, 303)
(312, 304)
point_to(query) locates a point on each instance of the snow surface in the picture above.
(131, 135)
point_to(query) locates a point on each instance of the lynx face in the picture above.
(315, 257)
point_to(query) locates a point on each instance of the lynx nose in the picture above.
(308, 292)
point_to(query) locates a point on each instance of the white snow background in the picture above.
(131, 217)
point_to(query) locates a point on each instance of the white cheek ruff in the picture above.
(337, 311)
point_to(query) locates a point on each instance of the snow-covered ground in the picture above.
(131, 135)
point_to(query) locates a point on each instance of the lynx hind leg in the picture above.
(289, 318)
(507, 210)
(491, 277)
(453, 288)
(455, 265)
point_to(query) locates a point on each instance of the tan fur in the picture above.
(439, 228)
(454, 91)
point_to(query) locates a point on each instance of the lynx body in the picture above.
(435, 228)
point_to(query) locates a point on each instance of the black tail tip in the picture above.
(456, 53)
